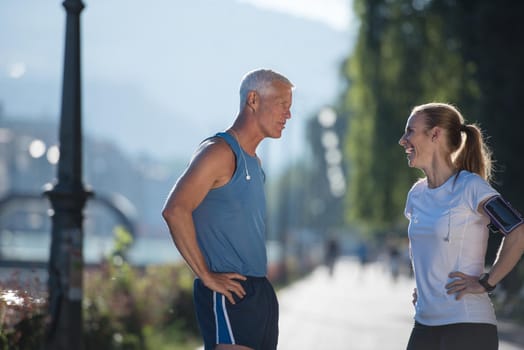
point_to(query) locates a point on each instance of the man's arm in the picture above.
(509, 254)
(212, 166)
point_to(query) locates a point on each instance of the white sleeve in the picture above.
(477, 190)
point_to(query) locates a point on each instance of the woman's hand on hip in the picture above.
(464, 284)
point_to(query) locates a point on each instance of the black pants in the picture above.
(457, 336)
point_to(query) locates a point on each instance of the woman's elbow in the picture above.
(516, 237)
(520, 231)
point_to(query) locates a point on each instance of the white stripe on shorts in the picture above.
(226, 317)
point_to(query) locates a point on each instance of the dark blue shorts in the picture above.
(251, 322)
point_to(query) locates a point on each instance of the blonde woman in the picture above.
(448, 231)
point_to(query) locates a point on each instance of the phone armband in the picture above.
(503, 217)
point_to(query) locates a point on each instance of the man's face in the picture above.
(274, 109)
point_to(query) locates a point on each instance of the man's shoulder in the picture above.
(215, 145)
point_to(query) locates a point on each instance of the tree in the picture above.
(404, 56)
(468, 53)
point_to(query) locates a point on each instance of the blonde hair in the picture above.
(473, 153)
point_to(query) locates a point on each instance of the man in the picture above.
(216, 216)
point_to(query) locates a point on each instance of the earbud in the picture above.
(248, 177)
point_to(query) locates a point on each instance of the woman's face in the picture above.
(417, 142)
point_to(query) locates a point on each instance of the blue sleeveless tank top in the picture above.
(231, 220)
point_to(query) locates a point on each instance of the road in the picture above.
(355, 309)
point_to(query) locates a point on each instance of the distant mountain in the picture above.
(159, 78)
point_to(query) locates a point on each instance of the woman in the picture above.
(448, 232)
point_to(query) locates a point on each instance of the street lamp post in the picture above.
(68, 197)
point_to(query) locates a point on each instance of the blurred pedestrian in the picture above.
(216, 215)
(394, 261)
(448, 231)
(363, 253)
(332, 253)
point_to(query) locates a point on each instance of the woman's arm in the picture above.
(509, 254)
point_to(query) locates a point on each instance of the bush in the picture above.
(121, 301)
(122, 306)
(22, 309)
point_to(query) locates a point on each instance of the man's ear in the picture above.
(252, 100)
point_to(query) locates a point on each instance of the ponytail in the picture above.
(475, 156)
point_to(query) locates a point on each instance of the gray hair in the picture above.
(259, 80)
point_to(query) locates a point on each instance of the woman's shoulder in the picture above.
(474, 187)
(419, 185)
(467, 178)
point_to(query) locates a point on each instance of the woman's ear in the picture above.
(435, 133)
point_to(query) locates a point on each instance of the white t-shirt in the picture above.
(446, 234)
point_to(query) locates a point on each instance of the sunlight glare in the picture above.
(11, 298)
(53, 154)
(37, 148)
(327, 117)
(17, 70)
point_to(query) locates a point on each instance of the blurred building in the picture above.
(129, 191)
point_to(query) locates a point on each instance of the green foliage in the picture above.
(121, 301)
(22, 306)
(170, 337)
(122, 242)
(27, 334)
(404, 56)
(122, 306)
(494, 33)
(4, 341)
(468, 53)
(412, 52)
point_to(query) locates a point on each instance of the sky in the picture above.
(334, 13)
(157, 79)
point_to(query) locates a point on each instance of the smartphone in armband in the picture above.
(503, 217)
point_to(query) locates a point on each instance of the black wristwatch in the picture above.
(483, 280)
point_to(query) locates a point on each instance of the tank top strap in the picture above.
(231, 141)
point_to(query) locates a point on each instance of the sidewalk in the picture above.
(356, 308)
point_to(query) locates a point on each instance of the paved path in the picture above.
(355, 309)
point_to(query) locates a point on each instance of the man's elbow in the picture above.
(173, 213)
(168, 213)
